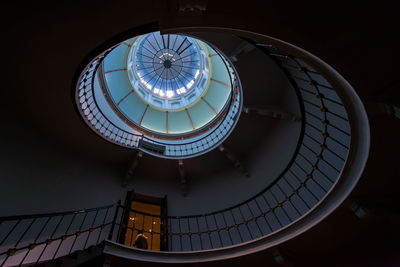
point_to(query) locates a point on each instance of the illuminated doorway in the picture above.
(146, 216)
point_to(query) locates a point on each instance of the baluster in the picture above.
(50, 238)
(33, 244)
(77, 233)
(91, 229)
(104, 220)
(64, 237)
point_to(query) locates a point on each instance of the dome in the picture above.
(170, 95)
(174, 70)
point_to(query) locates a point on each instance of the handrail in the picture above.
(315, 182)
(33, 234)
(318, 178)
(29, 216)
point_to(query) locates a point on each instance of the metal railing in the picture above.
(312, 172)
(33, 239)
(200, 143)
(311, 175)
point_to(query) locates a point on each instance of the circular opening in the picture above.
(170, 68)
(170, 95)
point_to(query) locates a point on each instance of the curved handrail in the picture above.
(38, 215)
(34, 238)
(327, 166)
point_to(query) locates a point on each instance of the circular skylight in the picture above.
(171, 96)
(172, 70)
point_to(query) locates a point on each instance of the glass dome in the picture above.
(172, 69)
(171, 95)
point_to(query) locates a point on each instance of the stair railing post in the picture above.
(110, 234)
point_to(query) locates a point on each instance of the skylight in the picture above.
(170, 67)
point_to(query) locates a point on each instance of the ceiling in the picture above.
(44, 43)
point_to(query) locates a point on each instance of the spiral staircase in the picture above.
(321, 159)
